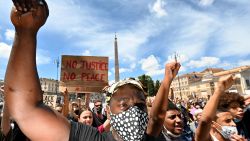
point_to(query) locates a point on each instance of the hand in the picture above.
(108, 112)
(236, 137)
(65, 93)
(225, 82)
(247, 100)
(29, 15)
(171, 70)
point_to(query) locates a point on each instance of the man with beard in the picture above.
(98, 117)
(41, 123)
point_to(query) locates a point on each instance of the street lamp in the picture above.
(57, 68)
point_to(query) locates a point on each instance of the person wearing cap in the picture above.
(129, 120)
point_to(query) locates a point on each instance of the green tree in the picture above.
(157, 86)
(148, 84)
(151, 88)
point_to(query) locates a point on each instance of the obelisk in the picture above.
(117, 77)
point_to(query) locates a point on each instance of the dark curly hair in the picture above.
(229, 97)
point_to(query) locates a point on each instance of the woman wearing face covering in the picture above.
(217, 124)
(40, 123)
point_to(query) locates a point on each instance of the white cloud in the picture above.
(42, 57)
(244, 62)
(204, 62)
(180, 58)
(86, 53)
(4, 50)
(123, 70)
(133, 65)
(9, 34)
(151, 66)
(234, 40)
(111, 82)
(193, 33)
(183, 69)
(206, 2)
(150, 63)
(158, 8)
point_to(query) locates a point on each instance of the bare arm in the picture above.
(106, 124)
(160, 104)
(22, 87)
(65, 109)
(5, 123)
(209, 112)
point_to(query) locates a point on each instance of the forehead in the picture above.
(128, 91)
(86, 113)
(224, 116)
(98, 102)
(234, 104)
(173, 112)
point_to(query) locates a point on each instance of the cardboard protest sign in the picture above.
(85, 74)
(50, 100)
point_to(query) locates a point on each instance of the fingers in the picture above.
(17, 5)
(175, 66)
(22, 6)
(235, 137)
(34, 5)
(171, 70)
(41, 8)
(46, 7)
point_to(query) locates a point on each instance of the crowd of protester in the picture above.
(129, 114)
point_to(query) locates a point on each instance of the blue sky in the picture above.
(205, 33)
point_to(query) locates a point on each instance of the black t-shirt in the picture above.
(98, 121)
(82, 132)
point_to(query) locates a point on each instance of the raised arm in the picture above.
(209, 112)
(160, 104)
(65, 109)
(5, 121)
(23, 95)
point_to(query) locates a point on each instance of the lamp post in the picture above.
(178, 78)
(57, 68)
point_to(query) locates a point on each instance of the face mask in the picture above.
(131, 124)
(227, 131)
(170, 133)
(236, 120)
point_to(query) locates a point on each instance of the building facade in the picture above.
(49, 86)
(202, 84)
